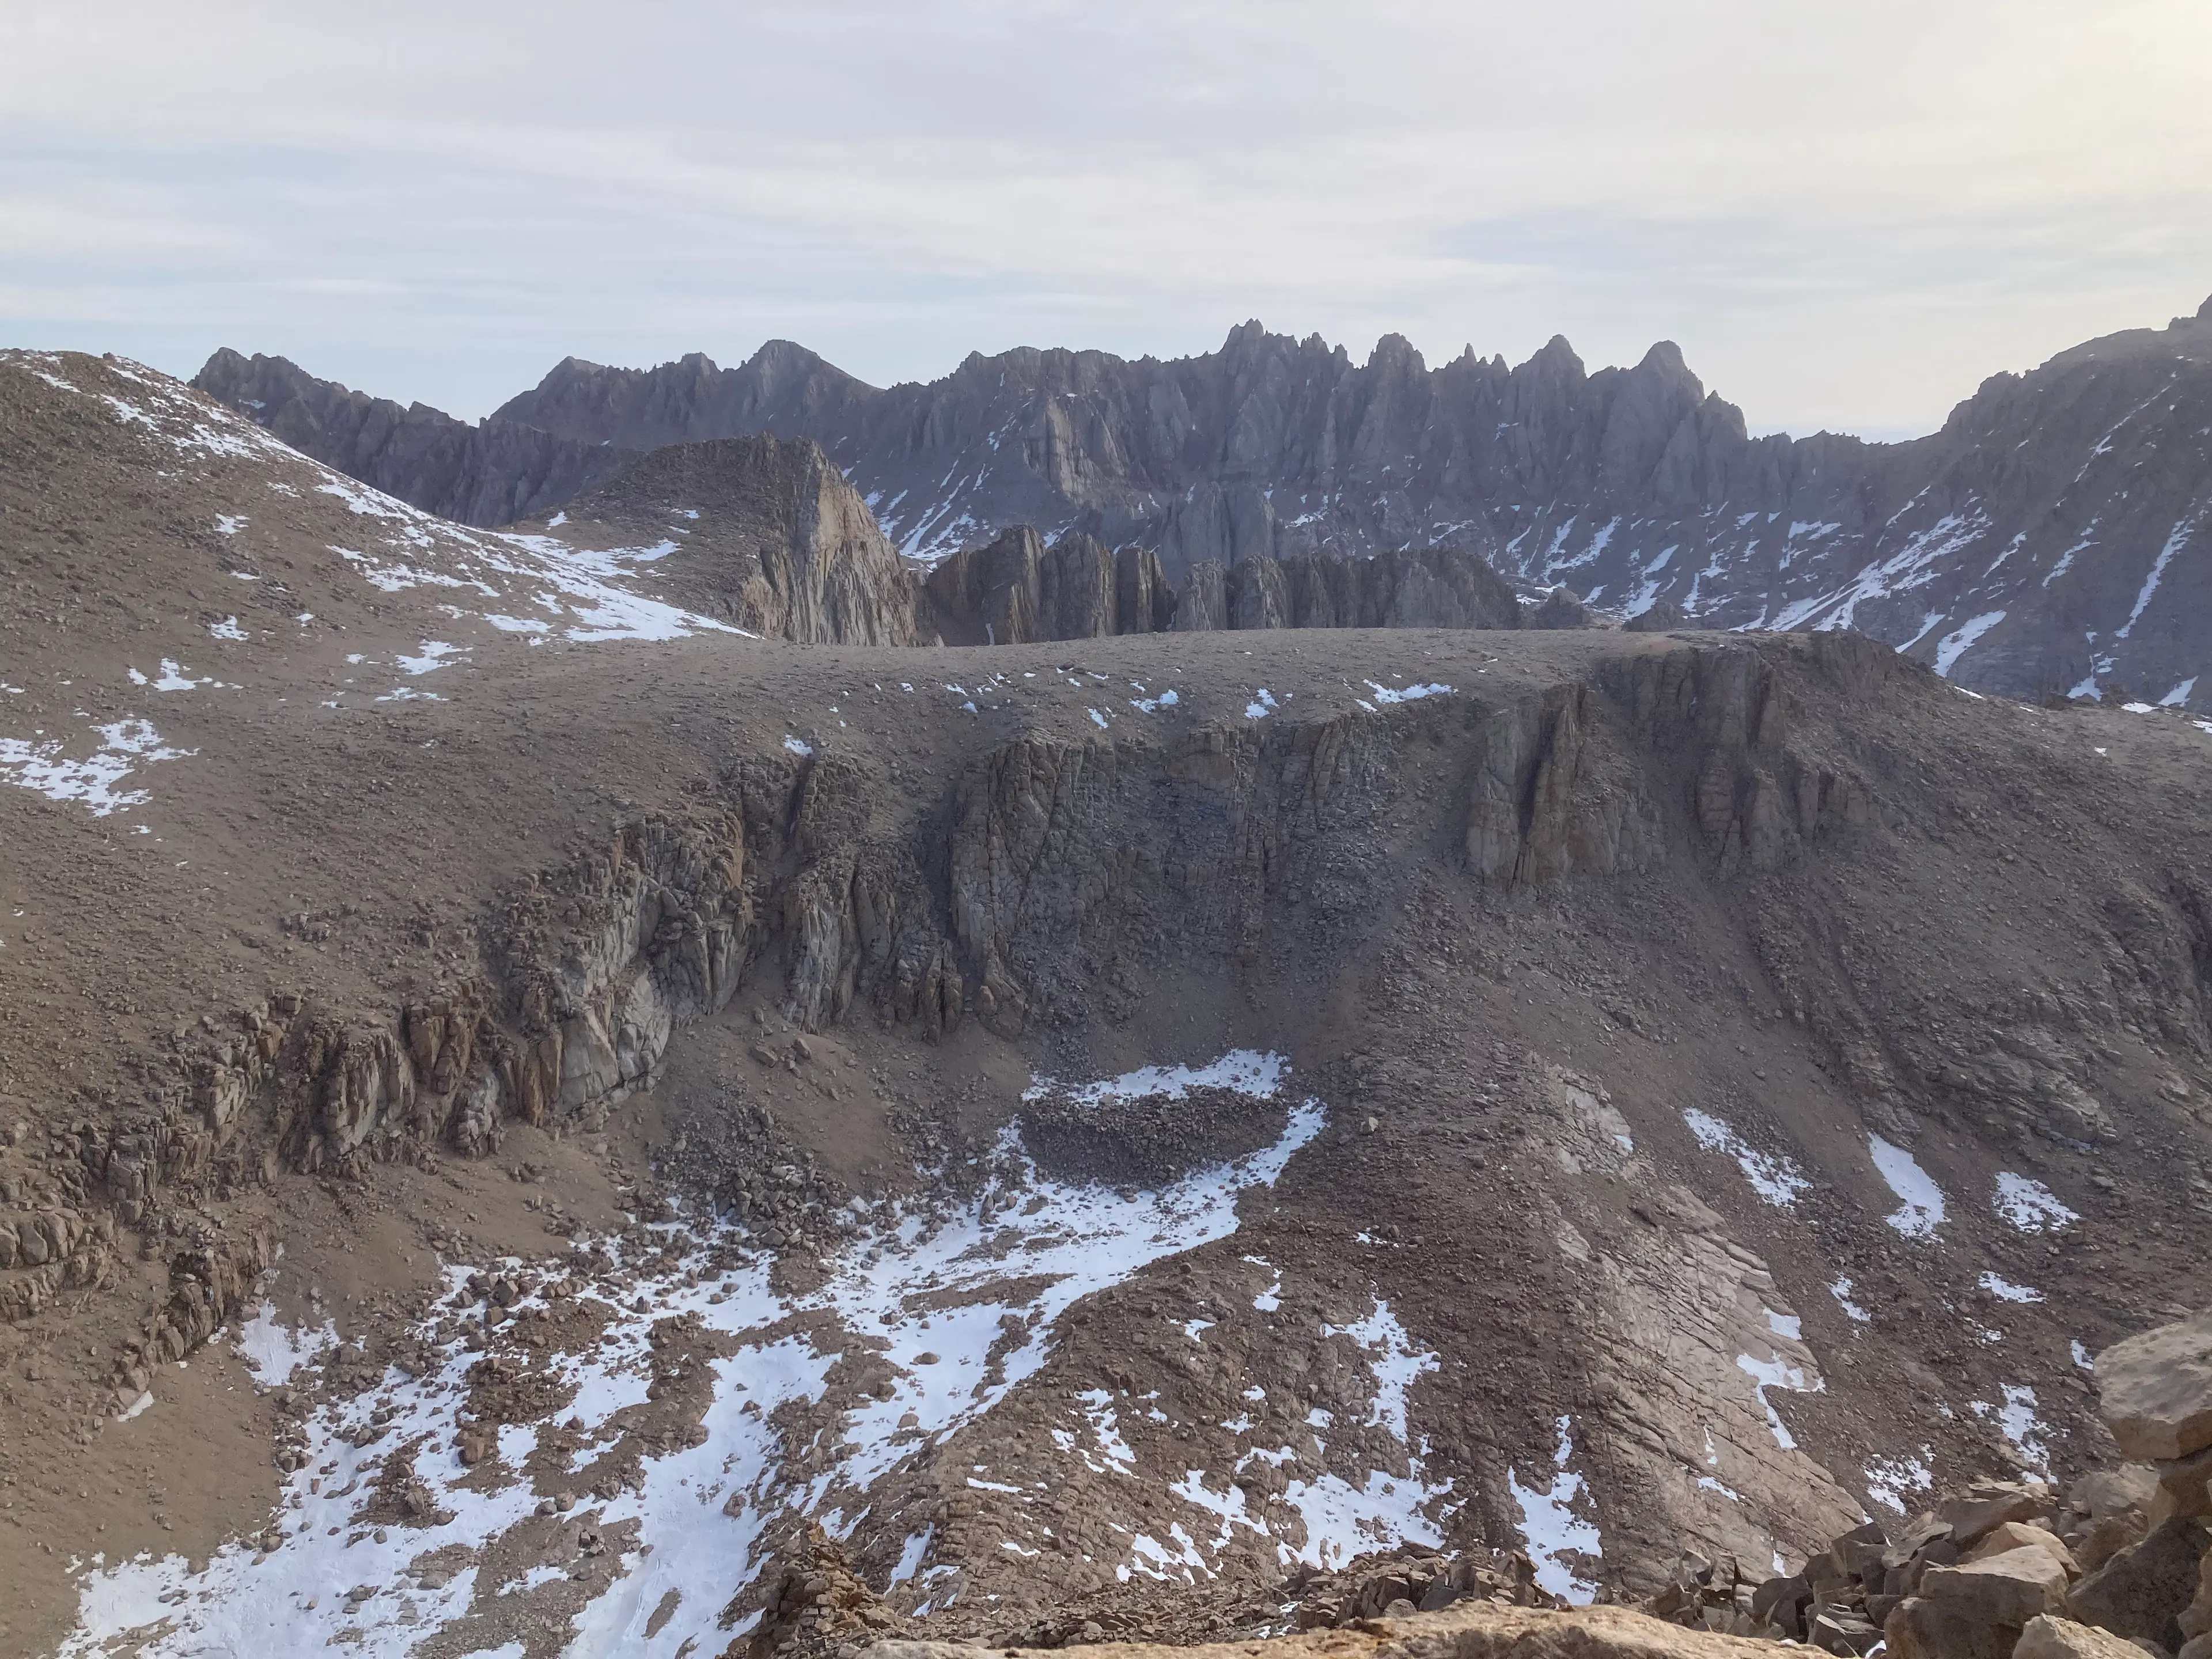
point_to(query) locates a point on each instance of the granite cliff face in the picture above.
(764, 533)
(783, 388)
(2047, 539)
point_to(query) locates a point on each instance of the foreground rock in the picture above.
(2157, 1391)
(2123, 1563)
(1471, 1630)
(2048, 1637)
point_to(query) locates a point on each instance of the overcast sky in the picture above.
(1847, 212)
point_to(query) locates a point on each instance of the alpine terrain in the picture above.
(2050, 540)
(1348, 1009)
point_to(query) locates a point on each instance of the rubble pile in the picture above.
(2120, 1565)
(819, 1607)
(1394, 1587)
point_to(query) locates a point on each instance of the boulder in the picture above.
(1984, 1506)
(2185, 1488)
(2007, 1588)
(2107, 1536)
(1859, 1552)
(1662, 617)
(2155, 1391)
(2195, 1620)
(2113, 1491)
(2143, 1589)
(1920, 1627)
(2021, 1535)
(2048, 1637)
(1562, 608)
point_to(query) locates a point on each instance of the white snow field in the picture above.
(964, 1301)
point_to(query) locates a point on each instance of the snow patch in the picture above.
(2030, 1206)
(1921, 1212)
(1773, 1178)
(1955, 644)
(1892, 1481)
(92, 780)
(1552, 1529)
(1777, 1373)
(1411, 694)
(1011, 1261)
(2016, 1420)
(1247, 1071)
(435, 654)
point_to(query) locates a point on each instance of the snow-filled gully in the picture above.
(961, 1304)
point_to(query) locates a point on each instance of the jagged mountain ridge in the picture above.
(492, 474)
(2016, 548)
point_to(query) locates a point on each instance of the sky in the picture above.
(1846, 212)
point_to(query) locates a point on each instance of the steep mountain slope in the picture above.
(2047, 540)
(491, 474)
(510, 1142)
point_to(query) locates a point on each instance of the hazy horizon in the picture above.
(1847, 216)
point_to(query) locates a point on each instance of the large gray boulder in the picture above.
(1562, 608)
(1984, 1506)
(2155, 1391)
(2010, 1588)
(2143, 1591)
(2048, 1636)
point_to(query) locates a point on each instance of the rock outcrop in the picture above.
(1562, 608)
(1430, 588)
(1469, 1630)
(2007, 1568)
(1016, 591)
(763, 532)
(818, 1607)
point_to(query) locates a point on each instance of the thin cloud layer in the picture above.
(1846, 214)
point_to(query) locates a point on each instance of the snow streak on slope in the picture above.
(40, 763)
(504, 585)
(516, 583)
(960, 1302)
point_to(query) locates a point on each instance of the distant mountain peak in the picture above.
(2025, 547)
